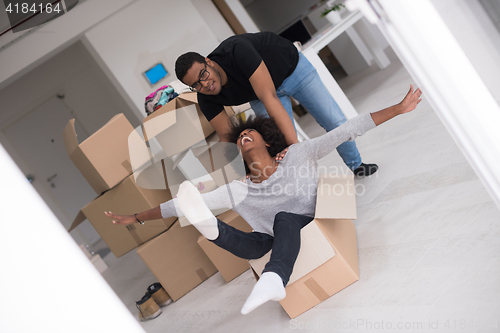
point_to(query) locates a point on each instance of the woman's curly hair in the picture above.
(266, 127)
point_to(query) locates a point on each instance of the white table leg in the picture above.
(360, 45)
(332, 85)
(378, 54)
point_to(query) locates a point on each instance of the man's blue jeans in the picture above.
(253, 245)
(305, 85)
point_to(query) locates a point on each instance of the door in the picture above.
(38, 138)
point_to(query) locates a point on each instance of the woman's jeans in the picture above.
(253, 245)
(305, 85)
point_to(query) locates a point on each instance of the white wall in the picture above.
(72, 72)
(53, 37)
(125, 37)
(274, 15)
(213, 18)
(477, 36)
(142, 34)
(89, 95)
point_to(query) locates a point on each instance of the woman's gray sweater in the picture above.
(291, 188)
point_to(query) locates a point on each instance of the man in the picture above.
(265, 70)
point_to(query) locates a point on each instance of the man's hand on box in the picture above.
(280, 155)
(121, 219)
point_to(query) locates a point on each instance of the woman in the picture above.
(276, 200)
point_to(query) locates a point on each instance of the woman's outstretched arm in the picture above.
(216, 199)
(409, 103)
(325, 144)
(152, 214)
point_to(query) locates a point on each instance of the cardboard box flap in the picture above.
(114, 135)
(342, 236)
(81, 161)
(336, 198)
(103, 157)
(210, 141)
(190, 97)
(164, 121)
(70, 139)
(80, 217)
(315, 250)
(103, 128)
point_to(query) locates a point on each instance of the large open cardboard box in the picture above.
(176, 260)
(228, 264)
(103, 158)
(126, 198)
(328, 258)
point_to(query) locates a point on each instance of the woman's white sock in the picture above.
(268, 288)
(194, 209)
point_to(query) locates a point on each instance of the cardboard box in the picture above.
(102, 158)
(176, 260)
(222, 160)
(228, 264)
(317, 278)
(126, 198)
(179, 124)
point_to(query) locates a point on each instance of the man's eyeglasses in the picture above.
(203, 77)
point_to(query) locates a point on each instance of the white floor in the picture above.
(428, 240)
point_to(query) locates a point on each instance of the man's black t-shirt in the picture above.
(239, 56)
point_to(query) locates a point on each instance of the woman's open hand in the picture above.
(409, 103)
(121, 219)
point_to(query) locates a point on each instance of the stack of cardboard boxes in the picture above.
(136, 170)
(103, 159)
(130, 176)
(175, 257)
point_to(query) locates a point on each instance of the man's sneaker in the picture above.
(159, 294)
(148, 309)
(365, 170)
